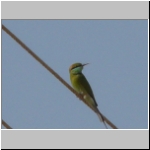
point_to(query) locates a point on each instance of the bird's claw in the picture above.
(80, 96)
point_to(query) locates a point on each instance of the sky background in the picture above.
(117, 50)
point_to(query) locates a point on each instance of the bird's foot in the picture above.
(80, 96)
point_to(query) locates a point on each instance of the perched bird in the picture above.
(82, 87)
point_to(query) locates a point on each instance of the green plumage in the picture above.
(81, 85)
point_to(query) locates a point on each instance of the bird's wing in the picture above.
(85, 87)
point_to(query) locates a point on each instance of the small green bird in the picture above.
(81, 86)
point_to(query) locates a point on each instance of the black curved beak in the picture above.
(85, 64)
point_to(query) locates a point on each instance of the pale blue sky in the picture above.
(32, 98)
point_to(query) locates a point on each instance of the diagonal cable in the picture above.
(6, 125)
(52, 71)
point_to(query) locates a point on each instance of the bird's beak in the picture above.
(85, 64)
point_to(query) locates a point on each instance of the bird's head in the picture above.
(76, 68)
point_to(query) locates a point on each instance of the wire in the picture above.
(6, 125)
(52, 71)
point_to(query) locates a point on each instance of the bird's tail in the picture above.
(101, 118)
(89, 101)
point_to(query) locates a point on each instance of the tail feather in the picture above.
(101, 118)
(93, 105)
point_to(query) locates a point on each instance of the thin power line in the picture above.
(6, 125)
(52, 71)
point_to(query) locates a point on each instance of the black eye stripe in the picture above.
(75, 67)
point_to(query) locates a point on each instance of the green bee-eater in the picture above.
(81, 86)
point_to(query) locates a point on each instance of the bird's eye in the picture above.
(75, 67)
